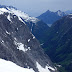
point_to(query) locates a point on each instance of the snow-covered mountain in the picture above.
(13, 10)
(36, 26)
(60, 13)
(18, 44)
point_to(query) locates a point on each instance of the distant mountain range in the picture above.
(59, 43)
(68, 11)
(50, 17)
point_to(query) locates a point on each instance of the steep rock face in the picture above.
(59, 42)
(36, 26)
(19, 45)
(39, 29)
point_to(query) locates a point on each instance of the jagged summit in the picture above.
(15, 11)
(60, 13)
(49, 17)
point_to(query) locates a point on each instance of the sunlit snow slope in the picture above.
(8, 66)
(18, 13)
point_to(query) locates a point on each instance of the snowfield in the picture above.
(7, 66)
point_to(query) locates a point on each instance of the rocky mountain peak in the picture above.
(19, 45)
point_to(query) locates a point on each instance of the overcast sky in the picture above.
(36, 7)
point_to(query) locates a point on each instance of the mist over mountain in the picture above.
(68, 11)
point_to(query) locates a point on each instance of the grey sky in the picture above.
(36, 7)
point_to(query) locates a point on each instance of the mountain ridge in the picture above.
(59, 43)
(49, 17)
(19, 45)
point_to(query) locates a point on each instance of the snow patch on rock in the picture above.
(2, 41)
(8, 17)
(28, 40)
(21, 47)
(33, 36)
(46, 69)
(29, 48)
(41, 69)
(7, 32)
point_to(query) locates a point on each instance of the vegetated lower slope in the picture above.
(59, 43)
(18, 44)
(50, 17)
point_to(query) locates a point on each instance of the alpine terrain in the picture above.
(36, 26)
(19, 45)
(59, 43)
